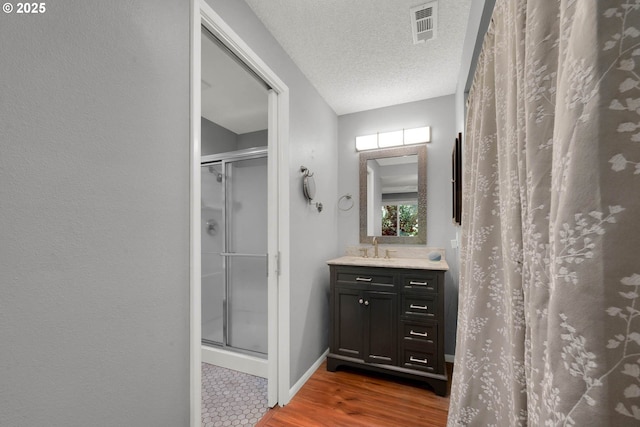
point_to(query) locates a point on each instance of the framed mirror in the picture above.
(393, 195)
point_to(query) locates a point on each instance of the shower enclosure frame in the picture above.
(278, 210)
(224, 159)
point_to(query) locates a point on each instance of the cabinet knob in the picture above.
(360, 301)
(366, 303)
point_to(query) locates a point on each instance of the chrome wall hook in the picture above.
(305, 171)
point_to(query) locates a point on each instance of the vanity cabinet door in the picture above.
(348, 322)
(381, 323)
(365, 325)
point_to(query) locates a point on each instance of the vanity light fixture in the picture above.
(368, 142)
(393, 139)
(417, 135)
(390, 139)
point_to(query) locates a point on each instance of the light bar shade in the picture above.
(394, 139)
(390, 139)
(368, 142)
(417, 135)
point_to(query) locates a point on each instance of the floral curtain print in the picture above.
(549, 315)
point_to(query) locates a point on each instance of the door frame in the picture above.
(278, 210)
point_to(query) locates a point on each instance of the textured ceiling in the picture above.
(359, 54)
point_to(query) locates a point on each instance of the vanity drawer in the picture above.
(419, 335)
(419, 306)
(421, 360)
(427, 282)
(365, 277)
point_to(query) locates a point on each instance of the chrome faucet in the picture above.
(375, 247)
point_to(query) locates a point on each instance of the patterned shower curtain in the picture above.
(549, 316)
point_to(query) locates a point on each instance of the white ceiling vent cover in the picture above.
(424, 22)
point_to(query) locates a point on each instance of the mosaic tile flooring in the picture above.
(232, 398)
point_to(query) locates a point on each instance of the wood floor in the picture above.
(354, 398)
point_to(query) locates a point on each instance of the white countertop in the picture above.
(413, 263)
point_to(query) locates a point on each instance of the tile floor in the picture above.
(231, 398)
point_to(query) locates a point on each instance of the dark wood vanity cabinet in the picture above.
(389, 320)
(366, 329)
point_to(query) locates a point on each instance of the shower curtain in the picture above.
(548, 326)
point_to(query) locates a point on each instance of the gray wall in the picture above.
(312, 136)
(258, 138)
(216, 139)
(479, 19)
(439, 113)
(94, 215)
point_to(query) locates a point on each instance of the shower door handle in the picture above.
(235, 254)
(242, 255)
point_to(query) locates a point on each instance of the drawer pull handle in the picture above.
(363, 279)
(419, 334)
(419, 307)
(379, 357)
(418, 283)
(413, 359)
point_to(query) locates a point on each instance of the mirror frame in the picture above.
(421, 152)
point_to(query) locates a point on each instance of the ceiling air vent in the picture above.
(423, 22)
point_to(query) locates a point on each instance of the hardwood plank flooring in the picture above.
(355, 398)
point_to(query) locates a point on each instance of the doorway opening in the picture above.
(276, 261)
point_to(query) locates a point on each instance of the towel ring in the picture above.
(348, 198)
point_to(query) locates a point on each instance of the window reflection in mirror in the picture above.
(400, 219)
(393, 195)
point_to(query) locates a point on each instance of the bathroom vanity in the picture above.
(387, 315)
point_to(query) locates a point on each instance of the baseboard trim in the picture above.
(298, 385)
(449, 358)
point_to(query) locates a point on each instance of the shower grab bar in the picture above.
(239, 254)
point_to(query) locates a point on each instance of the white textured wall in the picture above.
(312, 137)
(94, 215)
(439, 113)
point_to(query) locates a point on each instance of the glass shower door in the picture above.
(246, 255)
